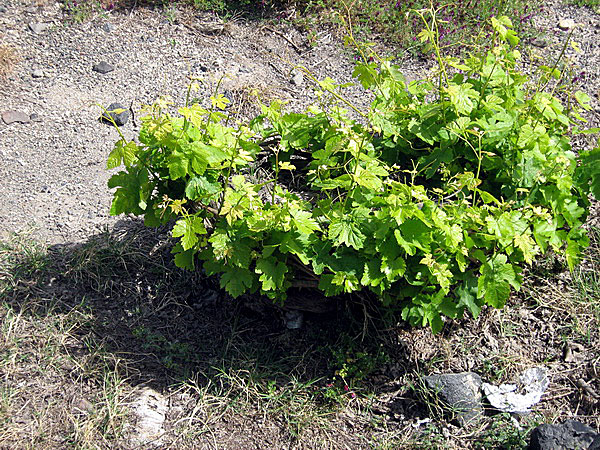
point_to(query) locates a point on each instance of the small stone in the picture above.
(2, 9)
(566, 24)
(297, 78)
(108, 27)
(200, 67)
(294, 319)
(83, 406)
(119, 118)
(461, 392)
(15, 116)
(540, 43)
(38, 28)
(103, 67)
(570, 435)
(35, 117)
(37, 73)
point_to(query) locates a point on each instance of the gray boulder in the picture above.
(571, 435)
(461, 392)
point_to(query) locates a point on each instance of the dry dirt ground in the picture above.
(94, 315)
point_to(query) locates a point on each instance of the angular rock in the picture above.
(2, 9)
(566, 24)
(108, 27)
(120, 118)
(518, 398)
(38, 28)
(570, 435)
(103, 67)
(297, 78)
(294, 319)
(37, 73)
(150, 409)
(462, 393)
(15, 116)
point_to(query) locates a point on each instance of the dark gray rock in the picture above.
(570, 435)
(108, 27)
(294, 319)
(38, 28)
(2, 9)
(120, 118)
(35, 117)
(461, 392)
(15, 116)
(103, 67)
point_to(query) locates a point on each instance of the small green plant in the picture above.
(395, 21)
(83, 10)
(505, 432)
(594, 5)
(434, 198)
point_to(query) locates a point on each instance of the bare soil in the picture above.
(99, 312)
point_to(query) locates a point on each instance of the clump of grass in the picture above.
(83, 10)
(20, 258)
(396, 23)
(8, 59)
(594, 5)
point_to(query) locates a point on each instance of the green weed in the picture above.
(396, 21)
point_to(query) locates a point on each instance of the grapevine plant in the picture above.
(434, 198)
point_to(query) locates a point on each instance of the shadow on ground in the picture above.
(131, 313)
(87, 326)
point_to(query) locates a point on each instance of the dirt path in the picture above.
(53, 168)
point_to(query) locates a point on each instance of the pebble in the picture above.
(297, 78)
(35, 117)
(2, 9)
(540, 43)
(120, 118)
(38, 28)
(566, 24)
(108, 27)
(103, 67)
(294, 319)
(37, 73)
(15, 116)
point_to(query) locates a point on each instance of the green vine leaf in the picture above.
(343, 231)
(497, 277)
(272, 273)
(236, 281)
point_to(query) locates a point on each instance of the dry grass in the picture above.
(84, 326)
(9, 57)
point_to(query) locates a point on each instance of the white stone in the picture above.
(150, 409)
(507, 398)
(566, 24)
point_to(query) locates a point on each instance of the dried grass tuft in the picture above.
(8, 59)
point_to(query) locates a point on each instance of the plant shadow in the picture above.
(171, 328)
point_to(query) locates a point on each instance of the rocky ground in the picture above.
(53, 167)
(53, 153)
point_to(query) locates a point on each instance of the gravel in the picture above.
(53, 168)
